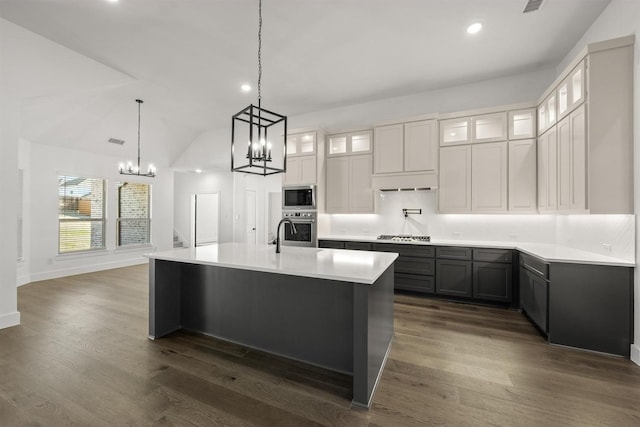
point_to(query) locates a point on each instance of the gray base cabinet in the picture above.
(492, 281)
(453, 278)
(414, 268)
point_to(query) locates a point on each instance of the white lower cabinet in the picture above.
(522, 176)
(548, 171)
(454, 190)
(489, 177)
(349, 184)
(300, 170)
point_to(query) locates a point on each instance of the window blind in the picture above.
(81, 208)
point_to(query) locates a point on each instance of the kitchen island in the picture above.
(330, 308)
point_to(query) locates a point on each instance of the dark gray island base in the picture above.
(338, 325)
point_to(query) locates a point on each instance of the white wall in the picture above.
(622, 18)
(262, 186)
(43, 166)
(187, 184)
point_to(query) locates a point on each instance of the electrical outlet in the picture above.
(606, 248)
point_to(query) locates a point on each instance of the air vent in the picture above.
(532, 6)
(116, 141)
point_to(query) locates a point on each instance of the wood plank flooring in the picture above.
(82, 357)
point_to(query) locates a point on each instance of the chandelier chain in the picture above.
(259, 50)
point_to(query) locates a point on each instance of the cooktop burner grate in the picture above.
(404, 238)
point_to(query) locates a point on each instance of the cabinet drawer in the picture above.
(453, 253)
(357, 246)
(535, 265)
(492, 255)
(413, 282)
(331, 244)
(414, 265)
(408, 250)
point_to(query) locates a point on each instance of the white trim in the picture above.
(10, 319)
(635, 353)
(87, 269)
(23, 280)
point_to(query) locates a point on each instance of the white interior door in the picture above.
(250, 216)
(206, 218)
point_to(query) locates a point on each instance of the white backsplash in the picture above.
(588, 232)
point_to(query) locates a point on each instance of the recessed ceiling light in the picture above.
(198, 171)
(245, 87)
(474, 28)
(112, 1)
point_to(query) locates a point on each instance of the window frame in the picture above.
(119, 218)
(103, 219)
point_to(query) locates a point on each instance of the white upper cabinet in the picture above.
(454, 190)
(489, 127)
(548, 171)
(408, 147)
(455, 131)
(349, 184)
(388, 153)
(421, 146)
(522, 175)
(571, 91)
(489, 177)
(522, 124)
(301, 144)
(547, 113)
(349, 143)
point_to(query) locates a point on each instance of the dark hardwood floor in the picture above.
(82, 357)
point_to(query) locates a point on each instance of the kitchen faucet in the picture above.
(293, 229)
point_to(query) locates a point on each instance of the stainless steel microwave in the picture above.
(299, 197)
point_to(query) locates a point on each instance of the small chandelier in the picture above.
(256, 126)
(132, 169)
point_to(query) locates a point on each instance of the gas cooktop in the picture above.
(404, 238)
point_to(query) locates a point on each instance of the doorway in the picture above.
(205, 219)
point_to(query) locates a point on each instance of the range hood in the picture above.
(405, 182)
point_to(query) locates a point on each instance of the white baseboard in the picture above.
(9, 319)
(23, 280)
(55, 274)
(635, 353)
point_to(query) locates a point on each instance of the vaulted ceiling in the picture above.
(187, 58)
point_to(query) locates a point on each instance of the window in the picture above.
(134, 214)
(20, 210)
(80, 214)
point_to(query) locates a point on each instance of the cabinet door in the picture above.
(360, 142)
(421, 146)
(292, 176)
(307, 143)
(526, 290)
(522, 175)
(454, 192)
(548, 171)
(576, 85)
(337, 145)
(578, 159)
(455, 131)
(563, 98)
(360, 191)
(307, 166)
(489, 127)
(522, 124)
(492, 281)
(337, 196)
(388, 153)
(453, 278)
(489, 177)
(539, 311)
(292, 145)
(564, 164)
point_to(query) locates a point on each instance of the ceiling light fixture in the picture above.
(252, 124)
(132, 169)
(474, 28)
(245, 87)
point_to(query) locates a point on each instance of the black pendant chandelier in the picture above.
(264, 131)
(132, 169)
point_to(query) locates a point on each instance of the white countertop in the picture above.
(546, 252)
(347, 266)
